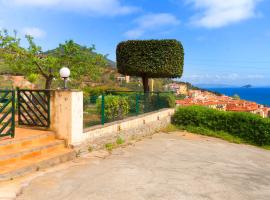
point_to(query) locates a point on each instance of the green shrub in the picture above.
(116, 107)
(167, 100)
(247, 126)
(162, 100)
(99, 90)
(150, 59)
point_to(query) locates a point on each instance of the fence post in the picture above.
(137, 104)
(67, 115)
(103, 109)
(158, 101)
(13, 114)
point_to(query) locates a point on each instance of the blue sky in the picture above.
(225, 41)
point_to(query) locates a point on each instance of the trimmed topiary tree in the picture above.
(150, 59)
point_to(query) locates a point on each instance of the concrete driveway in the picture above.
(168, 166)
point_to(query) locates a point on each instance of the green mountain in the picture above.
(110, 63)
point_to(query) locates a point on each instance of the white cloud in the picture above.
(219, 13)
(96, 7)
(152, 22)
(33, 31)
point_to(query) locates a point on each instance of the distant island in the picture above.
(247, 86)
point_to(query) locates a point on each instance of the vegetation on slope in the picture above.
(246, 126)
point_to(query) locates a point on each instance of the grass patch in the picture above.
(120, 141)
(90, 149)
(170, 128)
(267, 147)
(217, 134)
(109, 146)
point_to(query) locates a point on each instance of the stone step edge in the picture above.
(31, 137)
(31, 149)
(54, 159)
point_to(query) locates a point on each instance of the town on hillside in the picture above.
(220, 102)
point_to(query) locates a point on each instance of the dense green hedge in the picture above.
(116, 107)
(164, 100)
(150, 58)
(247, 126)
(120, 106)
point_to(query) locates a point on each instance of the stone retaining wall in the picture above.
(134, 127)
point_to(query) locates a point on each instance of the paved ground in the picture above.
(168, 166)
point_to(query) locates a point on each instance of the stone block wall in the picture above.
(134, 127)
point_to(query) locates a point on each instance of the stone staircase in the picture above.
(31, 152)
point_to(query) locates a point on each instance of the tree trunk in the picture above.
(145, 84)
(48, 83)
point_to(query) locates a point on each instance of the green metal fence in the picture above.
(117, 105)
(7, 113)
(34, 108)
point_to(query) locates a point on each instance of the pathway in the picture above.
(168, 166)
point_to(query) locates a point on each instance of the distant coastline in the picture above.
(209, 86)
(260, 95)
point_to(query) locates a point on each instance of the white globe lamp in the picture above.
(64, 73)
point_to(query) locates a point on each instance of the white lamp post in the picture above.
(64, 73)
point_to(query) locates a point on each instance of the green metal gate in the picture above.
(34, 108)
(7, 113)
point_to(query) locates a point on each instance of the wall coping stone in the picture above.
(124, 120)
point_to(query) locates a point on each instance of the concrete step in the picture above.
(20, 142)
(33, 150)
(30, 151)
(24, 167)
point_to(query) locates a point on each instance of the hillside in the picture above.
(110, 63)
(5, 69)
(107, 72)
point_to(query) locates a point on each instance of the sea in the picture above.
(258, 95)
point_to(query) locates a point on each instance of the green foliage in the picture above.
(116, 107)
(90, 148)
(170, 128)
(236, 97)
(99, 90)
(120, 141)
(109, 146)
(134, 86)
(180, 97)
(204, 131)
(150, 58)
(32, 78)
(217, 134)
(247, 126)
(167, 100)
(119, 105)
(6, 69)
(162, 100)
(82, 61)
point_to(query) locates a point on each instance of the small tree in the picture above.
(236, 97)
(82, 61)
(150, 59)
